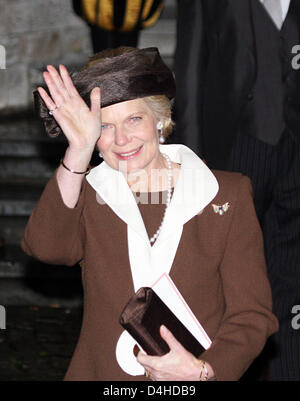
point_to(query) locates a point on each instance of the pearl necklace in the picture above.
(170, 175)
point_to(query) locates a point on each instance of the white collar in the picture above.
(285, 4)
(195, 188)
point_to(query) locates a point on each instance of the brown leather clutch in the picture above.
(142, 317)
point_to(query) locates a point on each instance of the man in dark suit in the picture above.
(238, 106)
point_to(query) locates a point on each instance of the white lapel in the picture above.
(195, 188)
(112, 187)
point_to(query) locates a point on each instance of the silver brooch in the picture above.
(221, 209)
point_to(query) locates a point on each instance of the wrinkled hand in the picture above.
(80, 124)
(178, 364)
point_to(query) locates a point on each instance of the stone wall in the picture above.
(34, 33)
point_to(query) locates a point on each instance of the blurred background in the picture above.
(42, 302)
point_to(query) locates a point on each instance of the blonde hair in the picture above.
(161, 107)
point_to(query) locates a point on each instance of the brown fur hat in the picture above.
(124, 73)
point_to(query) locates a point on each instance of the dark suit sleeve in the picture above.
(190, 62)
(54, 233)
(248, 318)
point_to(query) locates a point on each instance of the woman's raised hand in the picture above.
(80, 124)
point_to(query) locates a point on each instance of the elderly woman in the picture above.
(147, 209)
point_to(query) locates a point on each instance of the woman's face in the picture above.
(129, 139)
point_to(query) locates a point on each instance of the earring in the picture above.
(159, 127)
(100, 155)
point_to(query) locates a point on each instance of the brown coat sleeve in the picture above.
(54, 233)
(248, 318)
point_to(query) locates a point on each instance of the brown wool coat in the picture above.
(219, 268)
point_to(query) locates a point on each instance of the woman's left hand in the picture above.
(178, 364)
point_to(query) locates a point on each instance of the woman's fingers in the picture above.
(67, 80)
(146, 360)
(46, 98)
(96, 101)
(58, 82)
(169, 338)
(62, 89)
(57, 98)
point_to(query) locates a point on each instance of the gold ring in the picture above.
(147, 374)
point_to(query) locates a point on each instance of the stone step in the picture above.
(16, 207)
(34, 148)
(24, 280)
(37, 345)
(21, 188)
(19, 194)
(15, 263)
(54, 292)
(24, 127)
(19, 198)
(12, 228)
(30, 167)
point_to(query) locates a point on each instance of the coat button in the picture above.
(250, 96)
